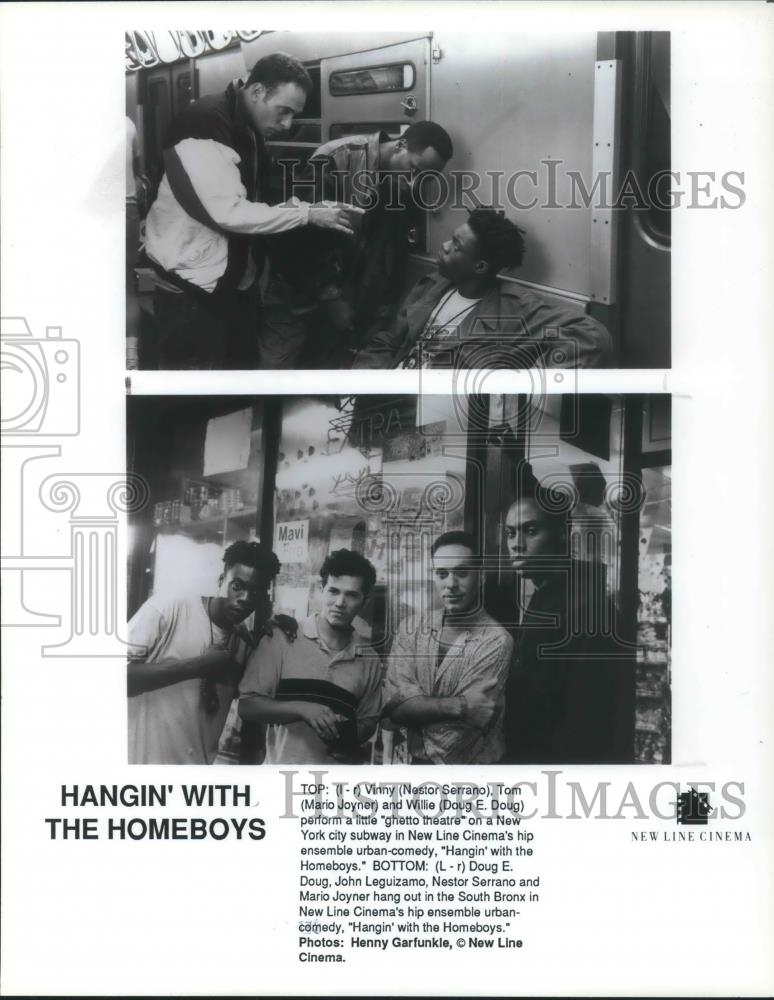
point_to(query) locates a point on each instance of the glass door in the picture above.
(573, 445)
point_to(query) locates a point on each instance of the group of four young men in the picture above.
(337, 261)
(466, 689)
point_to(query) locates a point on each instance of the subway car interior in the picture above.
(544, 127)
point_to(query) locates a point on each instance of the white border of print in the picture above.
(98, 917)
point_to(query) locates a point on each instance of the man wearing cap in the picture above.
(326, 291)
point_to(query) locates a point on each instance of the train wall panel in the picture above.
(322, 45)
(510, 102)
(216, 71)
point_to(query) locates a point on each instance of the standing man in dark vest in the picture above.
(200, 232)
(570, 690)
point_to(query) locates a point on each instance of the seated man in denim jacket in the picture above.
(462, 316)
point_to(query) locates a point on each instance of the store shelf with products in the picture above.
(206, 510)
(227, 528)
(652, 692)
(203, 459)
(653, 716)
(652, 682)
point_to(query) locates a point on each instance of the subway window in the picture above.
(304, 131)
(313, 106)
(372, 80)
(307, 127)
(340, 129)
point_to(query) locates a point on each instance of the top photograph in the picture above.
(394, 200)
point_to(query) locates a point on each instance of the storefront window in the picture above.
(613, 487)
(381, 476)
(573, 445)
(339, 129)
(654, 586)
(205, 474)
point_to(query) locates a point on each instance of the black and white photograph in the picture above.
(389, 200)
(400, 579)
(357, 638)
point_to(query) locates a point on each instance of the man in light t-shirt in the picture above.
(318, 698)
(186, 657)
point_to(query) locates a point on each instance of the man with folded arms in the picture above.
(447, 670)
(318, 697)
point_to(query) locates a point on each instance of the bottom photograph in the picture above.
(403, 579)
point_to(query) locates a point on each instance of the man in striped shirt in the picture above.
(318, 698)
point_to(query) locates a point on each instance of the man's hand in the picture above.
(334, 215)
(385, 312)
(477, 711)
(339, 314)
(322, 720)
(217, 664)
(287, 625)
(132, 353)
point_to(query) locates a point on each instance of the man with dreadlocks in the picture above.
(186, 657)
(463, 316)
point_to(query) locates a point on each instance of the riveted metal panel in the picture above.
(377, 107)
(604, 171)
(514, 103)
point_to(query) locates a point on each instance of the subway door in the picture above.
(631, 273)
(386, 89)
(163, 91)
(646, 235)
